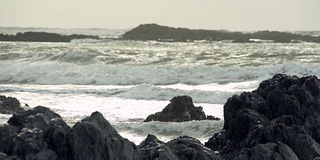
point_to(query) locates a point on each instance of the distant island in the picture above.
(170, 34)
(145, 32)
(43, 37)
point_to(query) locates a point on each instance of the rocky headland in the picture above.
(170, 34)
(280, 120)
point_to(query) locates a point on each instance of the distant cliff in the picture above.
(164, 33)
(43, 37)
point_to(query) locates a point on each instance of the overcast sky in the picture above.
(239, 15)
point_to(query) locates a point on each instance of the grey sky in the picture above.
(198, 14)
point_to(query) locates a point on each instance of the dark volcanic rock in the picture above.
(26, 135)
(26, 144)
(4, 156)
(182, 148)
(152, 148)
(270, 151)
(188, 148)
(180, 109)
(41, 134)
(9, 105)
(95, 138)
(283, 109)
(39, 117)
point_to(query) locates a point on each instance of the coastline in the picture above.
(277, 117)
(155, 32)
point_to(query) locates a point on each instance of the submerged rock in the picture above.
(283, 113)
(180, 109)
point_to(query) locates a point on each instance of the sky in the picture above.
(234, 15)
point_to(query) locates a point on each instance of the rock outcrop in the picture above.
(180, 109)
(9, 105)
(280, 119)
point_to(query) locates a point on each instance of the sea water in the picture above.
(128, 80)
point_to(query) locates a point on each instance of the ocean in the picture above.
(128, 80)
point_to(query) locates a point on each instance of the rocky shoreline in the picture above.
(279, 120)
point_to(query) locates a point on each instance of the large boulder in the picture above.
(9, 105)
(282, 110)
(180, 109)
